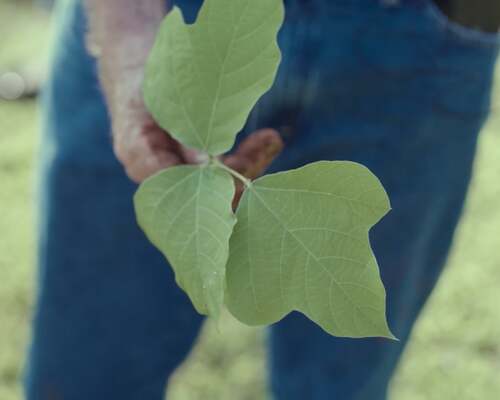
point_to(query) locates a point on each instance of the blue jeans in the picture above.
(392, 85)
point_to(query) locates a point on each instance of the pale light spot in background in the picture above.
(12, 86)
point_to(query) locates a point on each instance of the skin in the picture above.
(121, 34)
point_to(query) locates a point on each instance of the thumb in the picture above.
(253, 156)
(256, 153)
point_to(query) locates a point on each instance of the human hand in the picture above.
(144, 148)
(139, 143)
(120, 37)
(253, 156)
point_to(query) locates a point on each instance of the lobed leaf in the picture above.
(301, 243)
(186, 213)
(202, 80)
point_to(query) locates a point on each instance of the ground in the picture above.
(454, 352)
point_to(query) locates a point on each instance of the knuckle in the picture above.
(134, 174)
(121, 152)
(127, 153)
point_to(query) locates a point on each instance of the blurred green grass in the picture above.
(454, 352)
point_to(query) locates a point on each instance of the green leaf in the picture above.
(301, 243)
(202, 80)
(186, 213)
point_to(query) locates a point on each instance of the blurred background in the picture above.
(455, 349)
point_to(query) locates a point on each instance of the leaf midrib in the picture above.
(221, 76)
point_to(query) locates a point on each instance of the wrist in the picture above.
(121, 71)
(123, 91)
(121, 35)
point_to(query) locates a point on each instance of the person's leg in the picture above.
(110, 322)
(399, 91)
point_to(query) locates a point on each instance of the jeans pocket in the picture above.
(458, 32)
(463, 67)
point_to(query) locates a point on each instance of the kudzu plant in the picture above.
(298, 239)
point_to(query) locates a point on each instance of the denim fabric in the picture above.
(390, 84)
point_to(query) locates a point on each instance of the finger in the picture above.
(256, 153)
(156, 137)
(147, 155)
(159, 139)
(237, 195)
(149, 164)
(253, 157)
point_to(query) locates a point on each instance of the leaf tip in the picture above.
(387, 333)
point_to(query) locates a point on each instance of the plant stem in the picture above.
(247, 182)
